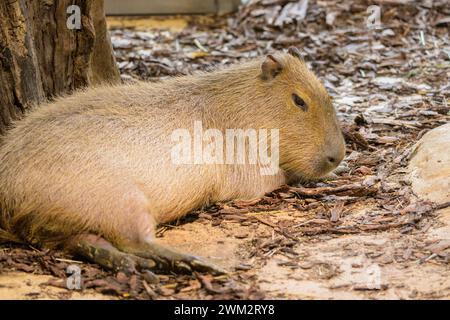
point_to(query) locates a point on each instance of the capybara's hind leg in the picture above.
(170, 259)
(127, 231)
(96, 249)
(148, 256)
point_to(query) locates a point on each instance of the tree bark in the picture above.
(40, 56)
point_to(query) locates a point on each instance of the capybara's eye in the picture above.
(299, 102)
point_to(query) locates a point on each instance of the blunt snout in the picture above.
(333, 155)
(334, 159)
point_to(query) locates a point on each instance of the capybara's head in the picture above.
(311, 141)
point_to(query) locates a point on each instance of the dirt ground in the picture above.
(369, 232)
(384, 265)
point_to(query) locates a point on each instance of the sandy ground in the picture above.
(347, 267)
(21, 285)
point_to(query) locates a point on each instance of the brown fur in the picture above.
(99, 161)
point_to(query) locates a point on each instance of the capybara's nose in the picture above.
(332, 159)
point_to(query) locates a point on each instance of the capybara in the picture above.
(94, 172)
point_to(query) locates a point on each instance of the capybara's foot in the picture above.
(169, 259)
(142, 257)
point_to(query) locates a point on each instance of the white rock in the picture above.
(430, 175)
(430, 165)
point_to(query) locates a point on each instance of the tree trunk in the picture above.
(43, 52)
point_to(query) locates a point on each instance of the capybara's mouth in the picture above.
(299, 177)
(316, 173)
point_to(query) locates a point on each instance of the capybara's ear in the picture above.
(270, 68)
(293, 51)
